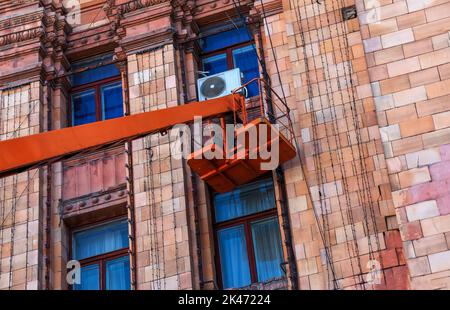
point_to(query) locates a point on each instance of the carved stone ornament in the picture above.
(25, 35)
(138, 4)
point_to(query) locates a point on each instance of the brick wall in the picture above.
(20, 194)
(408, 56)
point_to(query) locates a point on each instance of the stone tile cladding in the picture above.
(342, 150)
(20, 194)
(408, 55)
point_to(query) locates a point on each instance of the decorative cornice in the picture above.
(28, 74)
(35, 33)
(116, 30)
(148, 40)
(138, 4)
(186, 27)
(21, 19)
(9, 5)
(271, 7)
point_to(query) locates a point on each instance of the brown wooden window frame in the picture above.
(101, 259)
(228, 51)
(97, 85)
(245, 220)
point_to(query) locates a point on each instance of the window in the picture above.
(248, 236)
(97, 93)
(103, 255)
(229, 50)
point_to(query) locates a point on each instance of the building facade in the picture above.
(364, 85)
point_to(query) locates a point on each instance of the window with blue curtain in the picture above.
(267, 247)
(117, 270)
(96, 93)
(97, 73)
(224, 39)
(252, 198)
(103, 250)
(248, 235)
(234, 257)
(229, 50)
(111, 96)
(84, 107)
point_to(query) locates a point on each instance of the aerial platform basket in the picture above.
(243, 163)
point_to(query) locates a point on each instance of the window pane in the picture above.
(246, 60)
(112, 105)
(118, 274)
(233, 257)
(225, 38)
(101, 239)
(215, 64)
(96, 74)
(90, 278)
(267, 248)
(252, 198)
(83, 105)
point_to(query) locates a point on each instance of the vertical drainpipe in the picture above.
(48, 202)
(280, 180)
(193, 183)
(129, 179)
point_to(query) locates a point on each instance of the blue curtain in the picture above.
(112, 104)
(90, 278)
(267, 248)
(118, 274)
(102, 239)
(83, 106)
(233, 257)
(215, 64)
(96, 74)
(225, 39)
(252, 198)
(246, 60)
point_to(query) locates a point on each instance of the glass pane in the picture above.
(246, 60)
(215, 64)
(225, 38)
(233, 257)
(112, 105)
(118, 274)
(101, 239)
(251, 198)
(83, 105)
(90, 278)
(267, 248)
(96, 74)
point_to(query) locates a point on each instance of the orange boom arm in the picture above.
(20, 154)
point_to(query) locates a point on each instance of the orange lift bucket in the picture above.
(242, 164)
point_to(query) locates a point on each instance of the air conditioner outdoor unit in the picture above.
(218, 85)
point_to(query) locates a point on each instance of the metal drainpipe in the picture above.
(48, 202)
(280, 182)
(129, 179)
(194, 185)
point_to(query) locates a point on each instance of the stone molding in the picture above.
(138, 4)
(35, 33)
